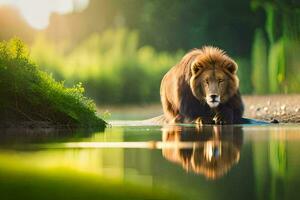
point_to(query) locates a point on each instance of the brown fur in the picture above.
(187, 87)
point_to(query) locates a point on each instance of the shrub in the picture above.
(28, 94)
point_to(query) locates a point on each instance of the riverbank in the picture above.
(284, 108)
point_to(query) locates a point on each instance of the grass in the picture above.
(29, 94)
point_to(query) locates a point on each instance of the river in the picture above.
(132, 160)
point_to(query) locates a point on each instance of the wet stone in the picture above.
(274, 121)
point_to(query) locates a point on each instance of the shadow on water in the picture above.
(16, 136)
(214, 151)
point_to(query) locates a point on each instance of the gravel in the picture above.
(281, 108)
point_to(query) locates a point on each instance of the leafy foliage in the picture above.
(28, 94)
(111, 66)
(277, 54)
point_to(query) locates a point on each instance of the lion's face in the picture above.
(212, 86)
(213, 79)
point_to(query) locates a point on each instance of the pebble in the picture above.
(283, 107)
(274, 121)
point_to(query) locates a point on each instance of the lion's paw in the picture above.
(204, 120)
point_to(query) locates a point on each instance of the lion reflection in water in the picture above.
(213, 151)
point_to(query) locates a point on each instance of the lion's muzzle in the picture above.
(213, 100)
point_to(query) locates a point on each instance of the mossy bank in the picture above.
(31, 96)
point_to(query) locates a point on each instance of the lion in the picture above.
(202, 88)
(207, 150)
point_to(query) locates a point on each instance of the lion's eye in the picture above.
(206, 81)
(221, 80)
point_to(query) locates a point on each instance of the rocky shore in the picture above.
(284, 108)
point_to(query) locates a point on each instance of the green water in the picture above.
(128, 161)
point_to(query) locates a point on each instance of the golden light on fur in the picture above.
(211, 57)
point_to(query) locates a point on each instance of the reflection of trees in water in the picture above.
(11, 136)
(215, 148)
(276, 164)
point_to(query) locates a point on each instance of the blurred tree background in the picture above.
(120, 49)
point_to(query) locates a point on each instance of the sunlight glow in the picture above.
(37, 12)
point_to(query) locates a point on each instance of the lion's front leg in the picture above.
(224, 115)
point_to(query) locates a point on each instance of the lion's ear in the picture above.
(232, 67)
(196, 67)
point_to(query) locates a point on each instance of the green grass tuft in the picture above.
(28, 94)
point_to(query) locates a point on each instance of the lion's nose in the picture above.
(213, 97)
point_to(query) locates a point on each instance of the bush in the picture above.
(28, 94)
